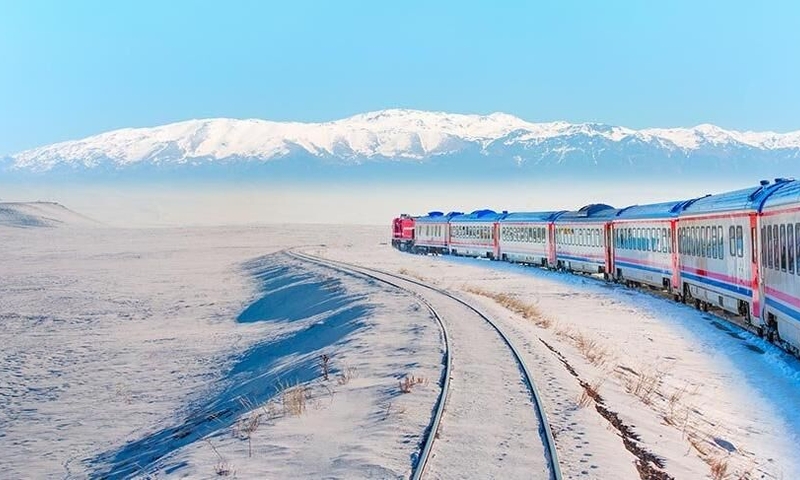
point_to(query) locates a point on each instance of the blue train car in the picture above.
(717, 245)
(528, 237)
(583, 239)
(645, 250)
(779, 264)
(476, 234)
(431, 232)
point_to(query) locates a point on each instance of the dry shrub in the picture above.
(719, 468)
(224, 469)
(408, 383)
(293, 398)
(590, 392)
(246, 427)
(527, 311)
(347, 374)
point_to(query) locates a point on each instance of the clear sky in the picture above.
(77, 68)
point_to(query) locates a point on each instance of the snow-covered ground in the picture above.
(698, 391)
(188, 352)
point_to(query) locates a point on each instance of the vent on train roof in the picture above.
(435, 214)
(483, 213)
(593, 208)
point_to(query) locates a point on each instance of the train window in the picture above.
(768, 248)
(702, 235)
(783, 247)
(740, 241)
(720, 243)
(790, 248)
(763, 250)
(697, 238)
(776, 247)
(714, 239)
(698, 248)
(797, 246)
(732, 240)
(654, 245)
(707, 241)
(649, 245)
(669, 239)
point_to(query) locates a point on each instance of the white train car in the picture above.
(475, 234)
(528, 237)
(431, 232)
(583, 239)
(644, 244)
(779, 242)
(717, 250)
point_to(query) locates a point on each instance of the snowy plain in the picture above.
(172, 353)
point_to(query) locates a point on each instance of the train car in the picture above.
(644, 249)
(527, 237)
(403, 232)
(432, 232)
(779, 245)
(476, 234)
(583, 241)
(717, 250)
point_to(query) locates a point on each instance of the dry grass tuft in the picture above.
(224, 469)
(591, 350)
(293, 398)
(590, 392)
(527, 311)
(347, 374)
(644, 385)
(412, 274)
(719, 468)
(408, 383)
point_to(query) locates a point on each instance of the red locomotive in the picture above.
(403, 232)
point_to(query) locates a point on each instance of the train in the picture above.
(736, 251)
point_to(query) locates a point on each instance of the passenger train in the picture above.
(737, 251)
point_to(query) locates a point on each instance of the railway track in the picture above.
(486, 432)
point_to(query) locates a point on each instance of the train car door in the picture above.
(551, 245)
(608, 233)
(496, 240)
(755, 270)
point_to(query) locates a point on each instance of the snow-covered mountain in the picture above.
(418, 137)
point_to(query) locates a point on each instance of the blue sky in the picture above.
(73, 69)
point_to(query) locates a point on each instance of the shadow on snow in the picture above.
(290, 294)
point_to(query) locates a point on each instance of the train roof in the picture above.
(654, 210)
(531, 216)
(437, 217)
(751, 198)
(789, 193)
(589, 213)
(479, 216)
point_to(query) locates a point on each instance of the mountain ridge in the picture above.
(401, 136)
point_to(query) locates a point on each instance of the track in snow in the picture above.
(487, 432)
